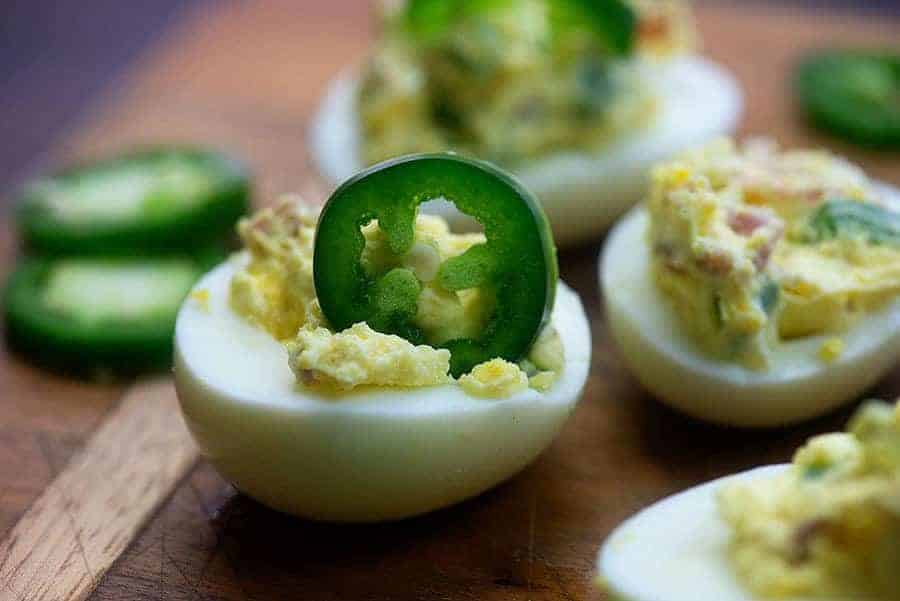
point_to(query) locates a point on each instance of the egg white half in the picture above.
(676, 549)
(372, 455)
(582, 193)
(797, 386)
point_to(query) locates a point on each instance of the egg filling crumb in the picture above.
(361, 356)
(755, 246)
(275, 291)
(496, 378)
(201, 297)
(508, 84)
(831, 350)
(829, 527)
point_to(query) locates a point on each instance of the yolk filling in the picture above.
(754, 247)
(507, 86)
(830, 526)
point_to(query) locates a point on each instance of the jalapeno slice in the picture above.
(855, 95)
(154, 199)
(84, 313)
(612, 21)
(516, 265)
(850, 219)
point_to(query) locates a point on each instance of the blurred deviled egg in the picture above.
(757, 287)
(371, 365)
(826, 526)
(578, 99)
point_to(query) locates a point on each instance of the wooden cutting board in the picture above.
(102, 495)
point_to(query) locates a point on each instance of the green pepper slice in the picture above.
(612, 21)
(516, 265)
(850, 219)
(855, 95)
(88, 313)
(155, 199)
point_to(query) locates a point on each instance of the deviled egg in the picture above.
(826, 526)
(757, 287)
(369, 364)
(577, 99)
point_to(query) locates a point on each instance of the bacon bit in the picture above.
(765, 252)
(717, 263)
(653, 27)
(762, 256)
(676, 266)
(666, 249)
(308, 377)
(262, 225)
(803, 538)
(745, 222)
(813, 196)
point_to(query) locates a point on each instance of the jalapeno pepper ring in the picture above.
(62, 311)
(156, 199)
(516, 264)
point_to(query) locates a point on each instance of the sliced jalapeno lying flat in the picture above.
(849, 219)
(89, 312)
(515, 266)
(855, 95)
(613, 21)
(163, 199)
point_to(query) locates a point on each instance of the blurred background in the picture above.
(58, 55)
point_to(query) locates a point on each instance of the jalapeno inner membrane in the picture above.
(514, 269)
(98, 291)
(128, 191)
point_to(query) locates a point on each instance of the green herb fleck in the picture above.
(848, 219)
(769, 295)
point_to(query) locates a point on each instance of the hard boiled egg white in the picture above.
(676, 550)
(797, 386)
(376, 454)
(582, 193)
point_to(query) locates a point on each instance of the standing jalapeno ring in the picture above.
(159, 199)
(516, 265)
(855, 95)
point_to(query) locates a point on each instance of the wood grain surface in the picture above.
(246, 76)
(74, 531)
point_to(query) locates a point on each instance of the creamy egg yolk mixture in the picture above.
(503, 86)
(275, 291)
(830, 526)
(733, 250)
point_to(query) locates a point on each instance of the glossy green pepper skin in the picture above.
(517, 263)
(853, 94)
(68, 341)
(612, 21)
(165, 223)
